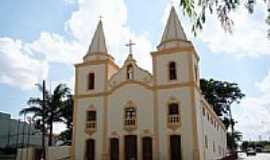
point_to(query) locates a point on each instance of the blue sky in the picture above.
(43, 39)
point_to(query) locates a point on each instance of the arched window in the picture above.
(91, 120)
(130, 72)
(130, 116)
(91, 81)
(173, 114)
(172, 71)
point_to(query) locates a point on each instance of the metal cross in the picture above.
(100, 17)
(130, 44)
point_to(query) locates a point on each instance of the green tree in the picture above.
(198, 10)
(40, 113)
(244, 145)
(66, 115)
(52, 111)
(221, 95)
(233, 138)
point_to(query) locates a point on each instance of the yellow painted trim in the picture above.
(75, 106)
(105, 116)
(177, 50)
(196, 149)
(130, 82)
(156, 152)
(165, 86)
(96, 62)
(176, 39)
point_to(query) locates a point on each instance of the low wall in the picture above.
(58, 153)
(25, 154)
(52, 153)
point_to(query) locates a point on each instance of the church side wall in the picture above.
(215, 146)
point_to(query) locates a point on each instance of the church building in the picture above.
(128, 113)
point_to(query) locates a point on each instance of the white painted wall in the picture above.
(58, 152)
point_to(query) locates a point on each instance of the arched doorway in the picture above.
(147, 148)
(130, 147)
(114, 149)
(90, 149)
(175, 147)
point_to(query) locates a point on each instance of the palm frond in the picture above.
(31, 109)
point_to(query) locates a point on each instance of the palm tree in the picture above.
(56, 102)
(66, 112)
(40, 113)
(51, 112)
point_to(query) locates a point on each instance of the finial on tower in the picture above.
(129, 45)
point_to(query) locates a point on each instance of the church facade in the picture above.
(128, 113)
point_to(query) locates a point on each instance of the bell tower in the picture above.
(91, 98)
(176, 81)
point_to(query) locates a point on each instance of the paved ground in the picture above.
(259, 156)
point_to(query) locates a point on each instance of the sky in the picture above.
(44, 39)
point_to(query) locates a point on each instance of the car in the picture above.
(251, 152)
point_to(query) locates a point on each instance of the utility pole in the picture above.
(43, 118)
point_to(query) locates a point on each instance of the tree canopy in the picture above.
(197, 11)
(221, 94)
(55, 109)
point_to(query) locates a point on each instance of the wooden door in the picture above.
(175, 147)
(114, 149)
(90, 149)
(130, 147)
(147, 148)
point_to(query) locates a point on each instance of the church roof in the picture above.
(173, 30)
(98, 44)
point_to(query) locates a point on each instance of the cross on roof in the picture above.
(130, 44)
(100, 17)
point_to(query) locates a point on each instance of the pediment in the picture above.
(139, 75)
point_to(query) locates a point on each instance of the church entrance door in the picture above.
(114, 152)
(147, 148)
(90, 149)
(130, 147)
(175, 147)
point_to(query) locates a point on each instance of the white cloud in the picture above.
(18, 68)
(254, 118)
(55, 48)
(82, 25)
(249, 36)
